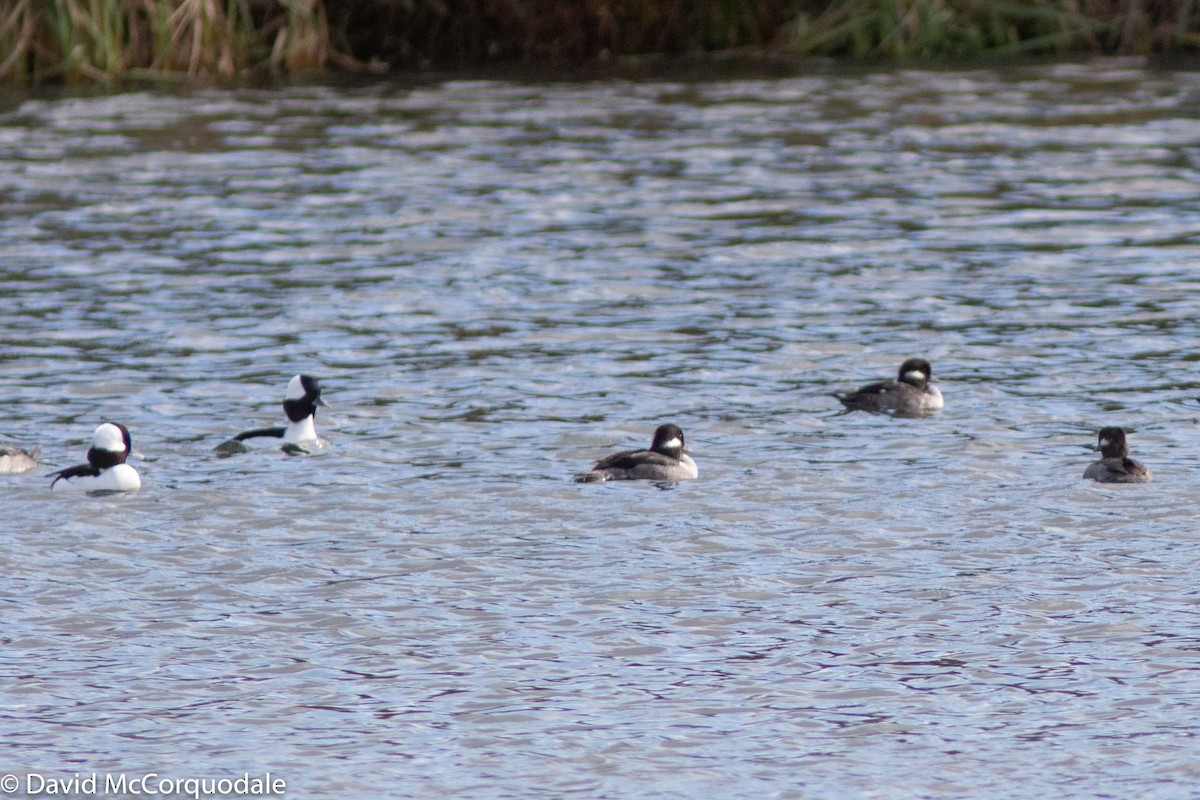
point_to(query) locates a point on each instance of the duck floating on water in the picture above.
(664, 461)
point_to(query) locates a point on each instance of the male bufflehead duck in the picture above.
(300, 405)
(664, 461)
(910, 395)
(1116, 466)
(106, 470)
(14, 460)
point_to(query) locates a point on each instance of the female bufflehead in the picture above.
(300, 404)
(910, 395)
(14, 460)
(106, 470)
(1116, 466)
(664, 461)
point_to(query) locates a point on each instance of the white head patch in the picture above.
(295, 390)
(914, 375)
(109, 437)
(672, 444)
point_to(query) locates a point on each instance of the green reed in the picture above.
(102, 40)
(942, 29)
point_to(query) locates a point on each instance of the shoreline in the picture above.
(106, 42)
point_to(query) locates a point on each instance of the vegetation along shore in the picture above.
(71, 41)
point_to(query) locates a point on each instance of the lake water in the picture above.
(499, 282)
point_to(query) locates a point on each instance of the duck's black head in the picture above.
(668, 440)
(915, 372)
(302, 398)
(1112, 443)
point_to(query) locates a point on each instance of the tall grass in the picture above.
(938, 29)
(89, 40)
(101, 40)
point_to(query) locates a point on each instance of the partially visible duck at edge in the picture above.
(105, 470)
(664, 461)
(300, 403)
(15, 460)
(1115, 465)
(910, 395)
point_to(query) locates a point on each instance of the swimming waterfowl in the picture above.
(300, 403)
(14, 460)
(664, 461)
(1116, 466)
(105, 470)
(910, 395)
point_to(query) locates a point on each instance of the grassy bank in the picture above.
(102, 40)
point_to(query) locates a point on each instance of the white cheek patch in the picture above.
(915, 375)
(1104, 442)
(295, 390)
(109, 437)
(672, 444)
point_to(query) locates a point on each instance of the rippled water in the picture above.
(500, 282)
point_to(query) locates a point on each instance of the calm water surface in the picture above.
(499, 283)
